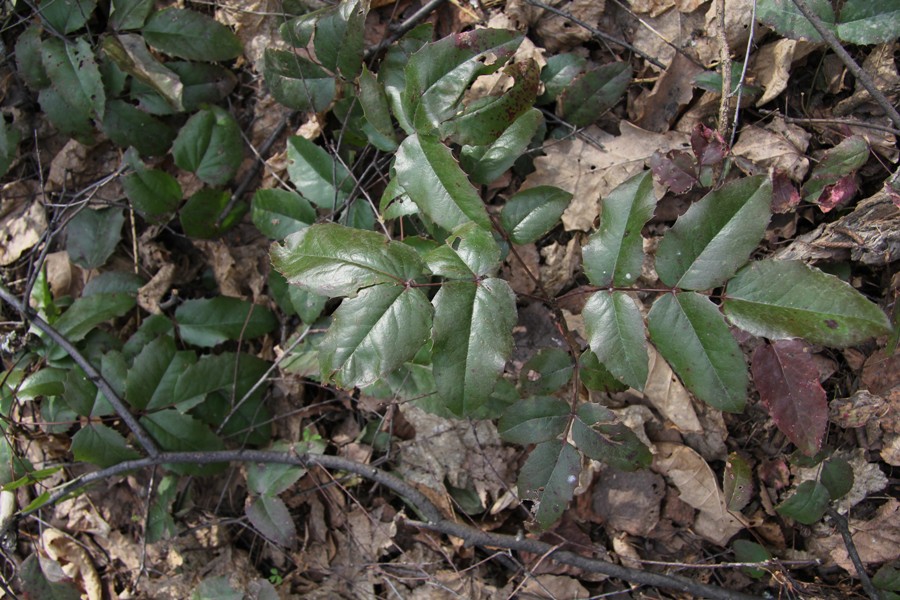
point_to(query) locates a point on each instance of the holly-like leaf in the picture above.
(279, 213)
(317, 175)
(837, 477)
(469, 252)
(485, 119)
(615, 252)
(485, 164)
(715, 237)
(807, 504)
(690, 333)
(534, 420)
(836, 165)
(201, 215)
(149, 371)
(558, 73)
(92, 236)
(595, 376)
(154, 193)
(593, 93)
(128, 126)
(788, 384)
(786, 299)
(434, 181)
(598, 434)
(191, 35)
(210, 145)
(73, 73)
(784, 17)
(615, 330)
(98, 444)
(208, 322)
(66, 16)
(472, 340)
(29, 61)
(340, 37)
(439, 73)
(297, 82)
(374, 102)
(530, 214)
(235, 373)
(271, 517)
(392, 71)
(177, 432)
(374, 333)
(865, 22)
(737, 484)
(129, 14)
(333, 260)
(89, 311)
(547, 371)
(549, 477)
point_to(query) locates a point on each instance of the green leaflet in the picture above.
(468, 252)
(298, 83)
(615, 331)
(208, 322)
(785, 299)
(807, 504)
(279, 213)
(191, 35)
(598, 434)
(374, 333)
(534, 420)
(532, 213)
(434, 181)
(210, 145)
(615, 251)
(715, 237)
(485, 164)
(472, 340)
(594, 92)
(375, 106)
(550, 476)
(691, 334)
(333, 260)
(102, 446)
(320, 178)
(177, 432)
(73, 73)
(340, 37)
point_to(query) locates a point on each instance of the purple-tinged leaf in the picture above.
(675, 169)
(788, 384)
(708, 145)
(785, 195)
(844, 159)
(838, 193)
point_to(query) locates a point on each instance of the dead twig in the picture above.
(844, 528)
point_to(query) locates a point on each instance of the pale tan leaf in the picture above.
(666, 393)
(877, 540)
(778, 145)
(75, 561)
(772, 67)
(22, 220)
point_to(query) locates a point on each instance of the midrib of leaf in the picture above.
(357, 264)
(797, 309)
(706, 351)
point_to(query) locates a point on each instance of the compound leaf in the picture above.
(690, 333)
(785, 299)
(615, 251)
(534, 420)
(208, 322)
(615, 330)
(715, 237)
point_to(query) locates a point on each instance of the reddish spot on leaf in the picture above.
(785, 195)
(831, 324)
(788, 384)
(838, 193)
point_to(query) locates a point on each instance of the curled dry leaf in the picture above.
(877, 540)
(22, 220)
(772, 67)
(75, 561)
(665, 392)
(778, 146)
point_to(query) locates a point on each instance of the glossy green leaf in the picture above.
(485, 164)
(549, 477)
(837, 477)
(807, 504)
(112, 282)
(177, 432)
(9, 141)
(80, 392)
(485, 119)
(66, 16)
(595, 376)
(615, 252)
(271, 517)
(128, 126)
(715, 237)
(160, 524)
(615, 330)
(148, 373)
(392, 71)
(340, 37)
(114, 370)
(786, 299)
(248, 423)
(690, 333)
(374, 333)
(472, 340)
(737, 483)
(439, 73)
(203, 83)
(210, 321)
(844, 159)
(746, 551)
(151, 328)
(333, 260)
(68, 119)
(74, 74)
(153, 193)
(530, 214)
(99, 445)
(298, 83)
(46, 382)
(191, 35)
(559, 72)
(534, 420)
(547, 371)
(375, 106)
(210, 145)
(316, 174)
(279, 213)
(434, 181)
(88, 312)
(598, 434)
(92, 236)
(293, 299)
(593, 93)
(271, 479)
(235, 373)
(29, 61)
(129, 52)
(784, 17)
(202, 212)
(129, 14)
(467, 253)
(866, 22)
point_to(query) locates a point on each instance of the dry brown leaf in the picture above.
(255, 25)
(657, 109)
(778, 145)
(559, 265)
(555, 32)
(635, 417)
(590, 172)
(867, 478)
(551, 587)
(629, 502)
(737, 29)
(23, 220)
(881, 66)
(150, 294)
(657, 35)
(75, 561)
(626, 552)
(772, 67)
(698, 487)
(369, 535)
(669, 396)
(77, 165)
(521, 277)
(877, 540)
